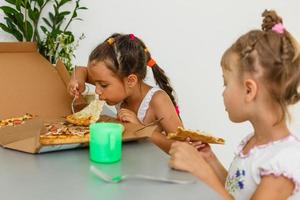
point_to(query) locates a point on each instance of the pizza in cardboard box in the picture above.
(64, 133)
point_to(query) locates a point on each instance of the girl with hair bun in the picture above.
(261, 72)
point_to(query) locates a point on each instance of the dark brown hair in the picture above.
(128, 54)
(277, 54)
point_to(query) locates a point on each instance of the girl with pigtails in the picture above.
(261, 72)
(117, 67)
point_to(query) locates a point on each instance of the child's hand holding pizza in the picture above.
(204, 148)
(185, 157)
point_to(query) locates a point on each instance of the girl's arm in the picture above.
(273, 187)
(214, 163)
(164, 108)
(186, 157)
(82, 75)
(161, 141)
(209, 156)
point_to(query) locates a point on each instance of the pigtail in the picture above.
(161, 78)
(163, 81)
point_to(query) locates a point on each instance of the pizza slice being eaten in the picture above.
(182, 135)
(87, 115)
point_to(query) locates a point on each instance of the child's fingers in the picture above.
(126, 115)
(188, 140)
(73, 88)
(198, 143)
(200, 147)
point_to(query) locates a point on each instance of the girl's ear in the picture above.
(250, 89)
(131, 80)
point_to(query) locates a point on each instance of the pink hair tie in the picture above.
(177, 110)
(278, 28)
(131, 36)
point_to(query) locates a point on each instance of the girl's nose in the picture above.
(98, 91)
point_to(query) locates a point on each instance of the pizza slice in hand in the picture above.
(87, 115)
(182, 135)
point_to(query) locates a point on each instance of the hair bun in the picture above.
(270, 19)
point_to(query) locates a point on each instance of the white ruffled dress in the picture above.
(279, 158)
(144, 104)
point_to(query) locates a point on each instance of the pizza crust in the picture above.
(182, 135)
(62, 133)
(63, 139)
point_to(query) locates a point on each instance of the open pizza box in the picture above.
(30, 84)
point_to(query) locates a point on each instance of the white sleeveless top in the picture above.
(145, 103)
(279, 158)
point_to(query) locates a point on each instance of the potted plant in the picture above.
(26, 20)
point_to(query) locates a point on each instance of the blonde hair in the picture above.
(279, 56)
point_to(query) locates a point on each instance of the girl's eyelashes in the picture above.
(101, 84)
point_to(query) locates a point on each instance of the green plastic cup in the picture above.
(105, 142)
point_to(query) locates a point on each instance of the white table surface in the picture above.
(66, 175)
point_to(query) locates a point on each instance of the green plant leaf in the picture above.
(25, 21)
(51, 17)
(27, 2)
(74, 14)
(82, 8)
(55, 32)
(7, 9)
(44, 29)
(29, 33)
(64, 13)
(40, 3)
(34, 15)
(11, 1)
(15, 33)
(71, 37)
(10, 24)
(15, 16)
(61, 16)
(62, 2)
(16, 3)
(47, 22)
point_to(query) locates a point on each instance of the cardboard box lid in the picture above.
(30, 84)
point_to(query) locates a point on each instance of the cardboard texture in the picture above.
(30, 84)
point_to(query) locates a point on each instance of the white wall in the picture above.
(187, 38)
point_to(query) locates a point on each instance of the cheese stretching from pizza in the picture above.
(88, 115)
(182, 135)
